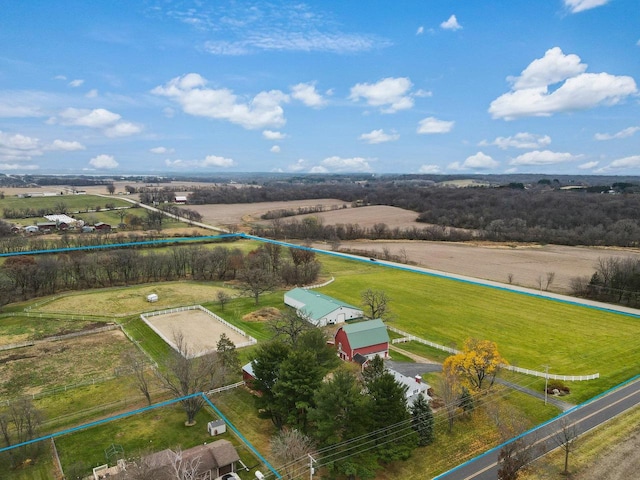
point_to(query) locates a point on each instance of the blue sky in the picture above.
(418, 86)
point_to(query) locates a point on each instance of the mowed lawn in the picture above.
(529, 331)
(133, 300)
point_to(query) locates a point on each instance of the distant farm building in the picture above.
(320, 310)
(47, 226)
(181, 199)
(152, 297)
(367, 339)
(102, 227)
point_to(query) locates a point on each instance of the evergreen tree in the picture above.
(422, 421)
(298, 379)
(390, 418)
(266, 368)
(341, 413)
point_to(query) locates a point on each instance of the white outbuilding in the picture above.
(320, 310)
(152, 297)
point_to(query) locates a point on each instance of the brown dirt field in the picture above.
(240, 213)
(201, 332)
(366, 217)
(495, 262)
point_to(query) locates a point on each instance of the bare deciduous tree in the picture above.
(186, 375)
(223, 298)
(549, 280)
(566, 438)
(449, 393)
(257, 281)
(376, 302)
(290, 325)
(139, 367)
(291, 447)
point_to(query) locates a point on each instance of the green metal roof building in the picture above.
(320, 310)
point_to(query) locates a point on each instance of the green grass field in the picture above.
(137, 435)
(73, 203)
(529, 331)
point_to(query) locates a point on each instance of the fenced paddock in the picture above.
(199, 327)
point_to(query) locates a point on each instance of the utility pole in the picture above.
(311, 469)
(546, 381)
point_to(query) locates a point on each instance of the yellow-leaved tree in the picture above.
(478, 361)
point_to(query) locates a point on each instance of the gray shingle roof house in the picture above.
(320, 310)
(213, 460)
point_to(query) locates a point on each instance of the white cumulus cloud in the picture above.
(17, 166)
(576, 6)
(18, 147)
(379, 136)
(432, 125)
(161, 150)
(451, 24)
(217, 161)
(391, 94)
(588, 165)
(520, 140)
(76, 83)
(307, 94)
(622, 163)
(480, 161)
(191, 93)
(275, 149)
(209, 161)
(433, 169)
(299, 166)
(123, 129)
(97, 118)
(271, 135)
(577, 90)
(543, 157)
(103, 162)
(627, 132)
(338, 164)
(68, 146)
(420, 30)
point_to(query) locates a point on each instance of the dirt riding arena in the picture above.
(200, 331)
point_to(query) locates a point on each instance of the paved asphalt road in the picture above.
(583, 418)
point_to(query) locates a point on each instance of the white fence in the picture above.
(144, 316)
(407, 337)
(226, 387)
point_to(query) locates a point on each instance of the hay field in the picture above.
(133, 300)
(30, 370)
(200, 331)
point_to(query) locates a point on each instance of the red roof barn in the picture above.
(369, 339)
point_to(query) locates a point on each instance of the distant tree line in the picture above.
(616, 280)
(511, 214)
(23, 277)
